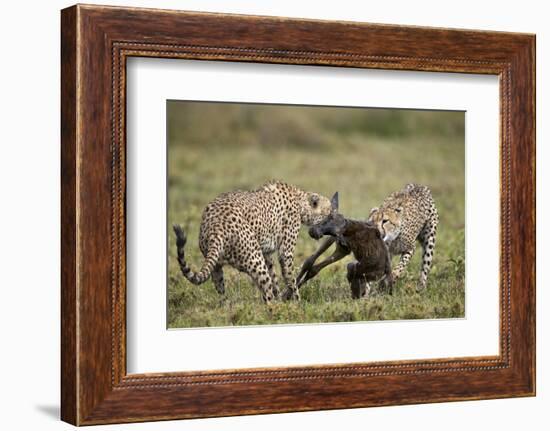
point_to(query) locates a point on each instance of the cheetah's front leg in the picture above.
(403, 262)
(287, 269)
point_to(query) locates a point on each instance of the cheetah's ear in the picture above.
(334, 201)
(372, 211)
(314, 200)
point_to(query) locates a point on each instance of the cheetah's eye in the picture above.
(314, 200)
(385, 221)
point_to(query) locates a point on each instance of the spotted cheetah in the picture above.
(403, 218)
(244, 228)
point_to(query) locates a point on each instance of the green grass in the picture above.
(364, 154)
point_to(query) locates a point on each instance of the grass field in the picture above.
(365, 154)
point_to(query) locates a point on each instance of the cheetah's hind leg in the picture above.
(252, 262)
(428, 246)
(271, 269)
(217, 278)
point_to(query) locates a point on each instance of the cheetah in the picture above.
(403, 218)
(244, 228)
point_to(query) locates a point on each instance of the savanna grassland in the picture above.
(365, 154)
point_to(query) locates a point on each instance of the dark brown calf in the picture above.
(351, 236)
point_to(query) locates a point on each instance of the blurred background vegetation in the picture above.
(365, 154)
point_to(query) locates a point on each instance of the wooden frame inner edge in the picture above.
(121, 50)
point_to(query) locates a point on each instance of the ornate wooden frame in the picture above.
(95, 43)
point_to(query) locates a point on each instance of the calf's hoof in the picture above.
(386, 285)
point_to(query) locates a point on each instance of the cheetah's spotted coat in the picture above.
(244, 228)
(403, 218)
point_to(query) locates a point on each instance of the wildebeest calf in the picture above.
(351, 236)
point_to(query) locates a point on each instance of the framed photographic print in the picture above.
(266, 215)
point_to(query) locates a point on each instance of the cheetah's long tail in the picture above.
(207, 267)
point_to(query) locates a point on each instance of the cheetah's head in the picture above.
(315, 208)
(388, 221)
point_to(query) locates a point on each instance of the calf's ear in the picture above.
(334, 201)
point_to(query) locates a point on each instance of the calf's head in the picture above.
(332, 225)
